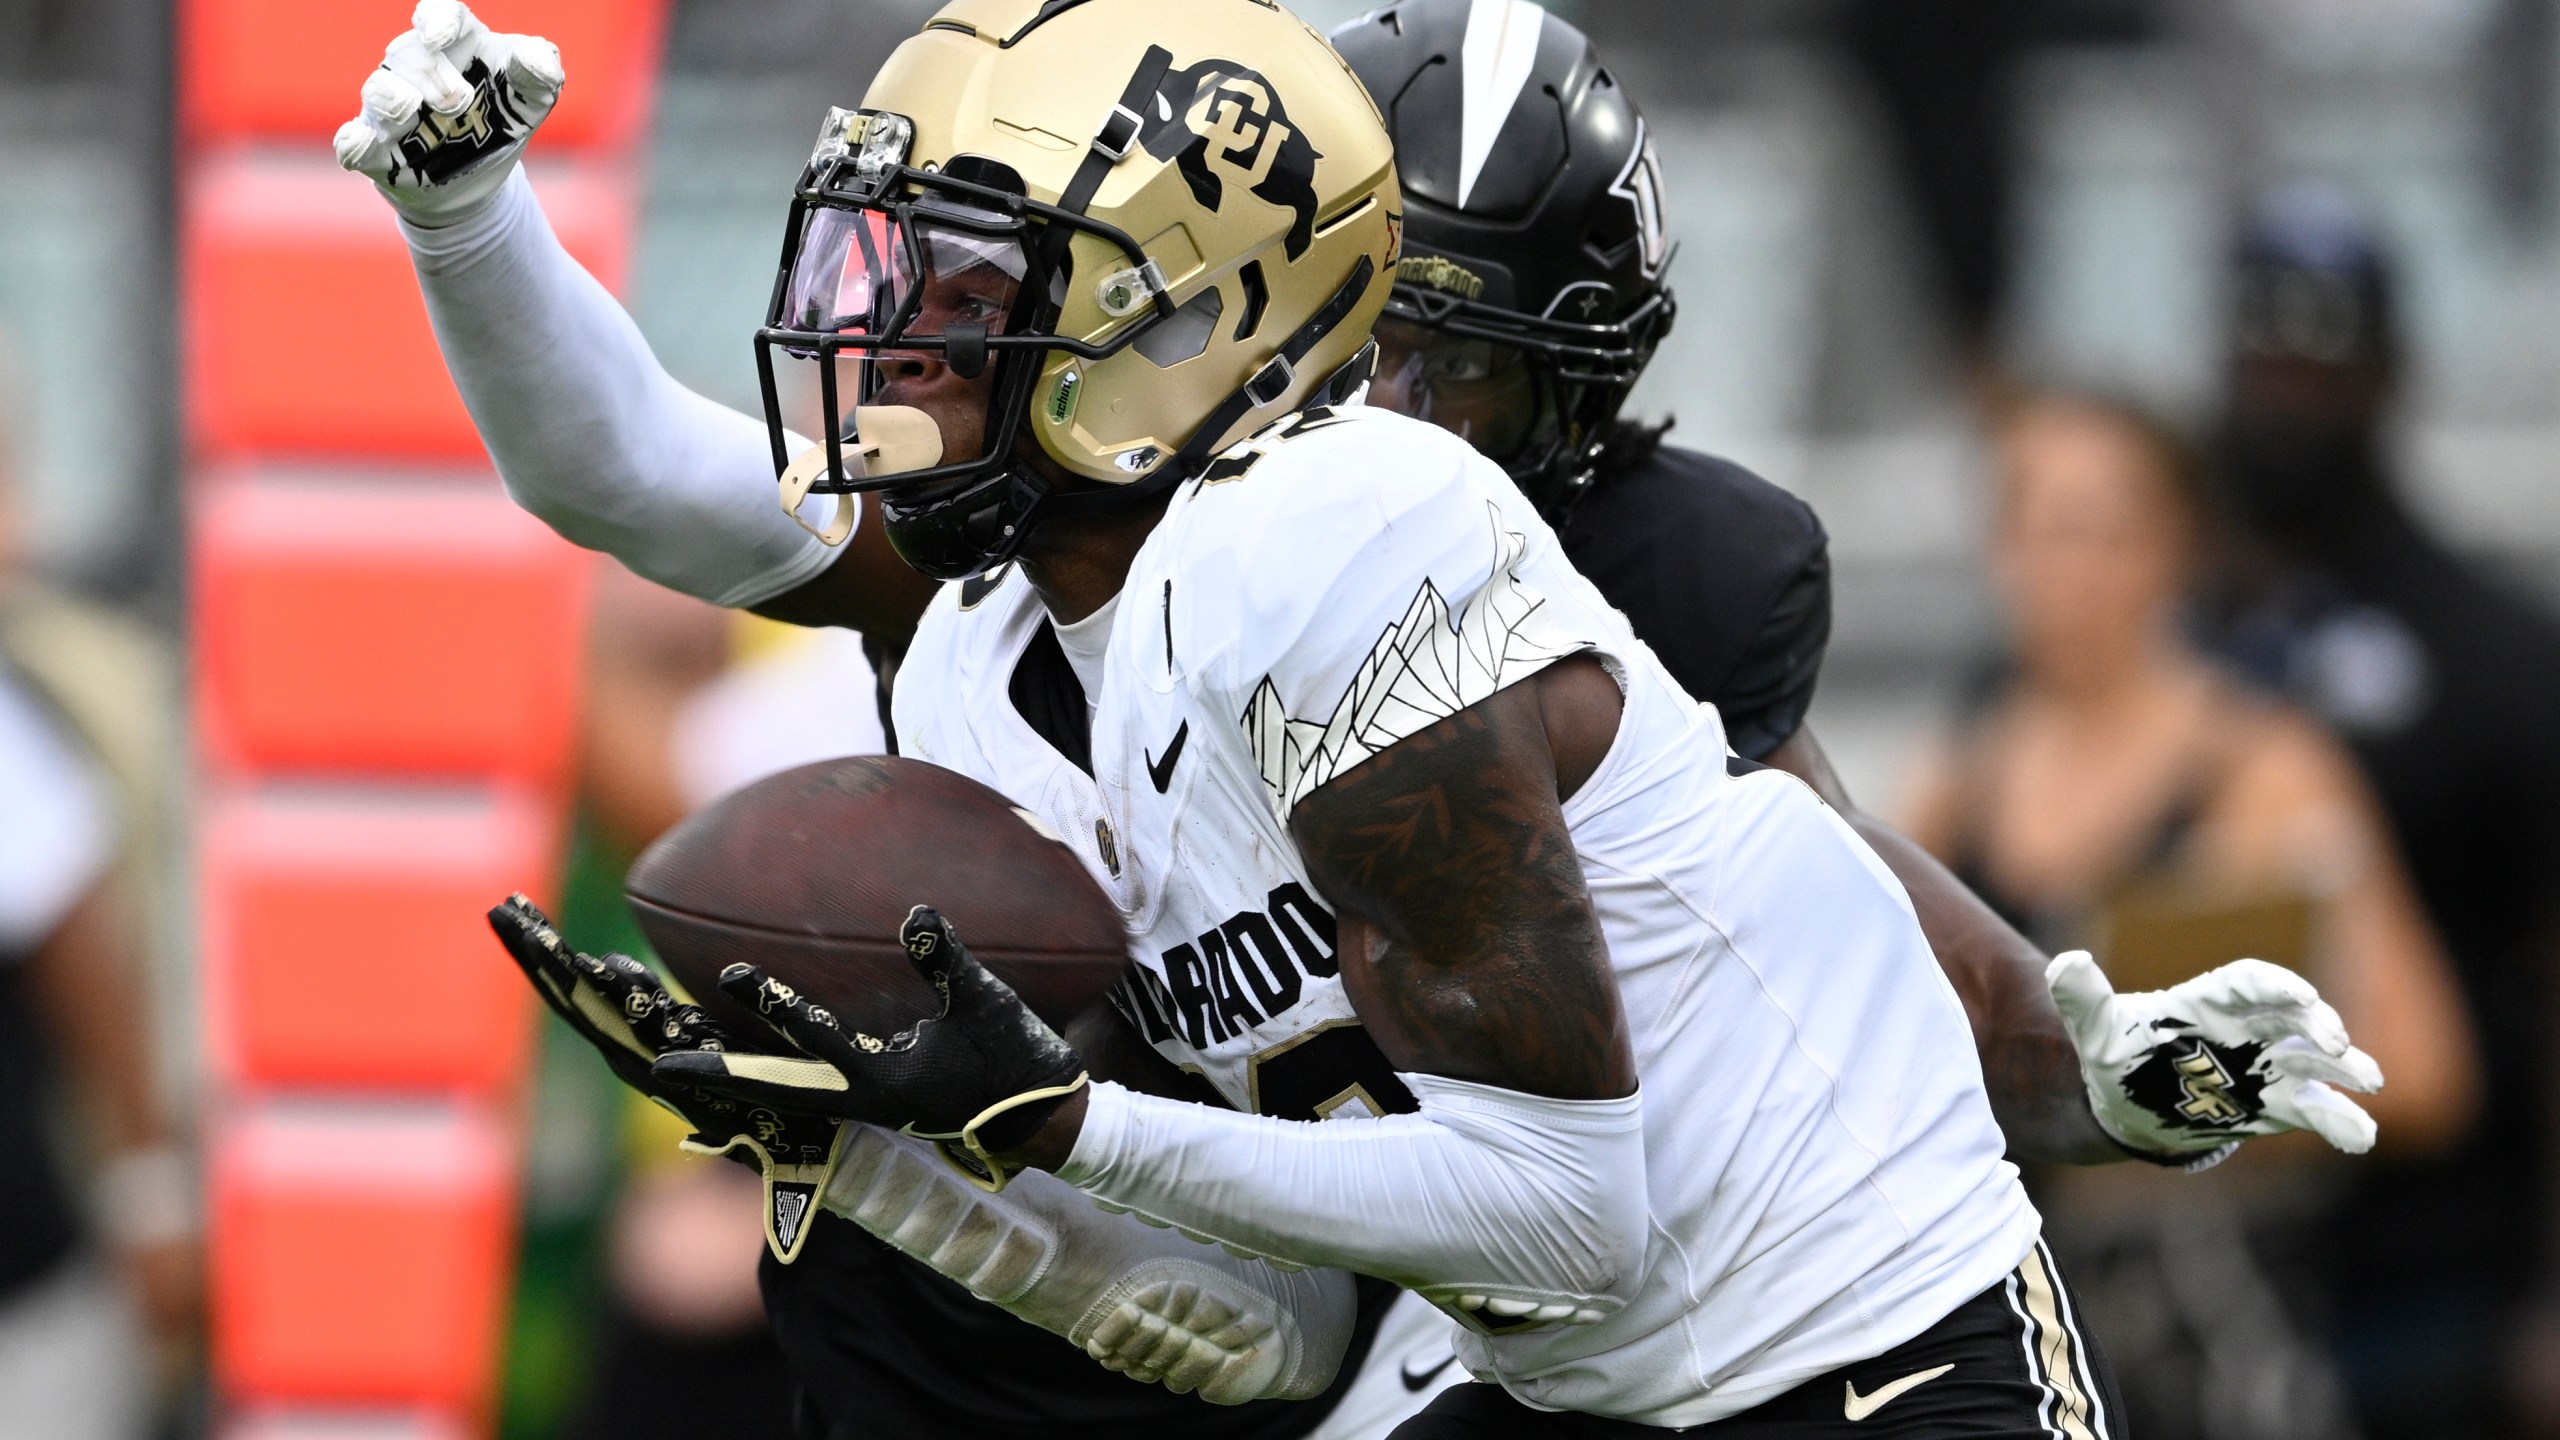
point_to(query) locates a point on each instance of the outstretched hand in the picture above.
(2182, 1075)
(448, 112)
(621, 1009)
(980, 1076)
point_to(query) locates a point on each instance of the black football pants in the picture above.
(2011, 1362)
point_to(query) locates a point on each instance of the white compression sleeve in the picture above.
(1487, 1200)
(589, 432)
(1139, 1300)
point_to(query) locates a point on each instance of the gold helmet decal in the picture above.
(1222, 123)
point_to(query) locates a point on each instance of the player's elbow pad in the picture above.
(1490, 1200)
(1142, 1301)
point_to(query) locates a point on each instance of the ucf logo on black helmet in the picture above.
(1234, 128)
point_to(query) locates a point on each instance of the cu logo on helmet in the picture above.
(1234, 130)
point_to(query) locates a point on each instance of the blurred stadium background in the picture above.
(1877, 202)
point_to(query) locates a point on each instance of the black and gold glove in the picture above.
(979, 1078)
(622, 1010)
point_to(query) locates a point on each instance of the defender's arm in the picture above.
(2247, 1016)
(2028, 1063)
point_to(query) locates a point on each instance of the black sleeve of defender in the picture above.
(1765, 697)
(1724, 575)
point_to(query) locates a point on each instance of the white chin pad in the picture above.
(888, 440)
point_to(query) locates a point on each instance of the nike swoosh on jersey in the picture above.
(1415, 1382)
(1161, 771)
(1859, 1407)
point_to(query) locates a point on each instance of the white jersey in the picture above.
(1825, 1177)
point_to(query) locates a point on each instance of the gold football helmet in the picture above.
(1140, 229)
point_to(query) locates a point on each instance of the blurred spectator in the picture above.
(1943, 79)
(2447, 686)
(99, 1304)
(686, 702)
(2119, 791)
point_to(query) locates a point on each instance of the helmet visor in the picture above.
(878, 278)
(905, 308)
(1484, 392)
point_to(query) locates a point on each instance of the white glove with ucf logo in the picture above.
(449, 111)
(2181, 1076)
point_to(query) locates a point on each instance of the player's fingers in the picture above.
(926, 936)
(934, 948)
(519, 921)
(533, 67)
(787, 1081)
(628, 988)
(2303, 1060)
(751, 987)
(688, 1028)
(2254, 985)
(790, 1016)
(2081, 992)
(360, 147)
(444, 24)
(2326, 1113)
(391, 103)
(815, 1030)
(534, 943)
(436, 78)
(2317, 1023)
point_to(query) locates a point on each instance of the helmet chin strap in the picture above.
(888, 440)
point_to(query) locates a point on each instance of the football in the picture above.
(809, 873)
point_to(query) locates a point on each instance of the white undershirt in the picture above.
(58, 835)
(1086, 642)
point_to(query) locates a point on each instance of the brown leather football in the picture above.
(809, 873)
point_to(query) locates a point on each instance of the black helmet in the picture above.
(1533, 211)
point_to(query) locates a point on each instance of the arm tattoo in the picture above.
(1470, 946)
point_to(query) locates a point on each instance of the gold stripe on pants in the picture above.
(2056, 1357)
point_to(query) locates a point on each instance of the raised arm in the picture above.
(587, 429)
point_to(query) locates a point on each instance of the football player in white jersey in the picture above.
(1402, 699)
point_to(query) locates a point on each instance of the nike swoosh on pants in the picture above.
(1859, 1407)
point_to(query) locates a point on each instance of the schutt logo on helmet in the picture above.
(1234, 128)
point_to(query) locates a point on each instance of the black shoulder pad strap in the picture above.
(1261, 389)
